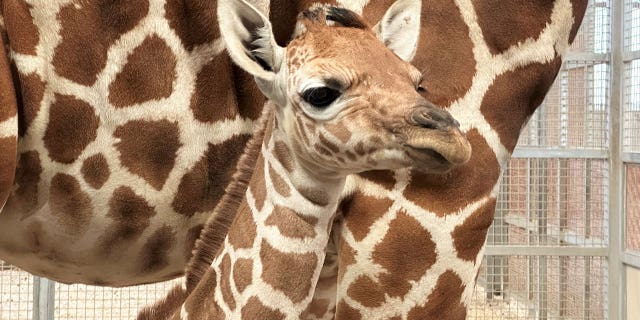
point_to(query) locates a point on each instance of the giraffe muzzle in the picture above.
(434, 136)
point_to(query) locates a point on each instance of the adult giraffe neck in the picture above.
(425, 233)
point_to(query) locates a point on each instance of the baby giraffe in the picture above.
(341, 102)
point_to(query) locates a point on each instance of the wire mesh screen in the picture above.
(595, 31)
(575, 113)
(560, 202)
(16, 293)
(541, 287)
(631, 109)
(90, 302)
(75, 302)
(552, 202)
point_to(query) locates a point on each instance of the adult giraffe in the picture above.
(70, 211)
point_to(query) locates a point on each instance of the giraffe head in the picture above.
(346, 96)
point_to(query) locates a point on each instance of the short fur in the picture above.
(215, 229)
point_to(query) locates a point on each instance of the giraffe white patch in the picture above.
(9, 127)
(354, 5)
(183, 312)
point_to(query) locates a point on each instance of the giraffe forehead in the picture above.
(350, 47)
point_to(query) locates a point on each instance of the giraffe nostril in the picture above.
(432, 118)
(422, 119)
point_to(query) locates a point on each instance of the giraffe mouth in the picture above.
(438, 147)
(428, 153)
(429, 160)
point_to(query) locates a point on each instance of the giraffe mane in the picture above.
(215, 229)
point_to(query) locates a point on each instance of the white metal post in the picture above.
(43, 298)
(616, 175)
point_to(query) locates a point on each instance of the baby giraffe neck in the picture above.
(273, 253)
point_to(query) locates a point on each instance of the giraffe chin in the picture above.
(440, 157)
(429, 161)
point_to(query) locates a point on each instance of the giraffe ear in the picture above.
(249, 38)
(399, 28)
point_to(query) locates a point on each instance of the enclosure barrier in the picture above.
(565, 243)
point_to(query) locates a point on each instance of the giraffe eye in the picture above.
(320, 97)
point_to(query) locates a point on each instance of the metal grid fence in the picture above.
(552, 250)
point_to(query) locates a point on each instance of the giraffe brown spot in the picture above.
(30, 99)
(141, 81)
(194, 21)
(214, 99)
(345, 311)
(201, 298)
(328, 144)
(346, 258)
(514, 96)
(268, 130)
(469, 237)
(8, 101)
(165, 308)
(297, 286)
(279, 184)
(95, 171)
(406, 252)
(72, 126)
(318, 307)
(339, 131)
(363, 212)
(70, 206)
(440, 193)
(8, 152)
(27, 175)
(316, 196)
(302, 133)
(284, 13)
(359, 148)
(148, 149)
(19, 23)
(291, 224)
(322, 150)
(99, 23)
(444, 301)
(579, 8)
(250, 98)
(243, 229)
(257, 184)
(501, 31)
(203, 186)
(445, 51)
(282, 154)
(254, 309)
(242, 273)
(224, 91)
(131, 215)
(155, 253)
(383, 178)
(225, 282)
(366, 291)
(192, 235)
